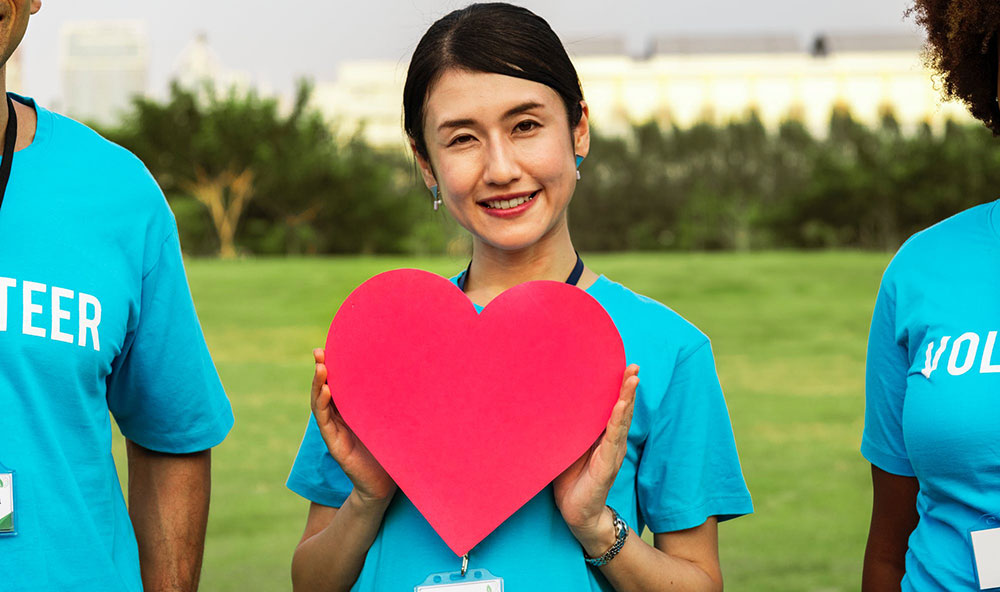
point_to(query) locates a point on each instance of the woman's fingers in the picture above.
(319, 379)
(629, 385)
(322, 403)
(621, 415)
(630, 380)
(614, 444)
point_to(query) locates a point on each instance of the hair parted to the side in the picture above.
(962, 49)
(493, 37)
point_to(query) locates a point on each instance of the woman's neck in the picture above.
(494, 270)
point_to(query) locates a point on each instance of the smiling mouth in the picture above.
(506, 204)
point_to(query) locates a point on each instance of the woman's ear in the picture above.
(581, 133)
(425, 166)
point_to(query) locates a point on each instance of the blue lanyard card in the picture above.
(985, 539)
(8, 527)
(475, 580)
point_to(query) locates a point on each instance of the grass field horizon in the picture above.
(788, 331)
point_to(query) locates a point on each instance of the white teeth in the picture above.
(506, 204)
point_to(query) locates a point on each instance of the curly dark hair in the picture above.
(962, 49)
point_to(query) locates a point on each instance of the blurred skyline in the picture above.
(273, 48)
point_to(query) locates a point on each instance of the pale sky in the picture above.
(277, 42)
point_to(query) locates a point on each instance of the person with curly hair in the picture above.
(933, 366)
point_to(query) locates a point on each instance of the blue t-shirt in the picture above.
(681, 468)
(932, 388)
(95, 315)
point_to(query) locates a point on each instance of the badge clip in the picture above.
(466, 580)
(985, 540)
(8, 522)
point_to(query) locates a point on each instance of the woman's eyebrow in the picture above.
(453, 123)
(526, 106)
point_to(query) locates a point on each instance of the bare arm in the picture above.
(682, 560)
(332, 551)
(168, 498)
(894, 516)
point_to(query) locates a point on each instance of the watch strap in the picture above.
(621, 533)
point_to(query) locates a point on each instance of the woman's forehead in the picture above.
(464, 94)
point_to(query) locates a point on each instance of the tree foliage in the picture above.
(267, 182)
(740, 186)
(243, 175)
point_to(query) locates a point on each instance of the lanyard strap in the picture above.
(10, 137)
(574, 276)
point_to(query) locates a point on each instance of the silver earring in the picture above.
(577, 174)
(579, 161)
(437, 200)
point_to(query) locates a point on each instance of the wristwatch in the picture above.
(621, 533)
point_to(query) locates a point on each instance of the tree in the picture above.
(268, 182)
(225, 195)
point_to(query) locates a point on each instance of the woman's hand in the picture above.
(581, 491)
(371, 483)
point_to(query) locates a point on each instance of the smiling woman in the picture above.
(507, 123)
(497, 122)
(503, 159)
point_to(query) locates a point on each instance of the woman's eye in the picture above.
(465, 139)
(526, 126)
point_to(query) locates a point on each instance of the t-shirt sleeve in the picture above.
(885, 388)
(164, 391)
(689, 469)
(315, 475)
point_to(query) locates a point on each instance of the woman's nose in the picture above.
(501, 167)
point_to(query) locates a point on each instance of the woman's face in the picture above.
(502, 155)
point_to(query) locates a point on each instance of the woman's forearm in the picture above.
(682, 561)
(638, 567)
(331, 559)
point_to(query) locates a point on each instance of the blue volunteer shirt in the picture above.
(95, 315)
(681, 468)
(932, 387)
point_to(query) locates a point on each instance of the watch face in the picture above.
(621, 529)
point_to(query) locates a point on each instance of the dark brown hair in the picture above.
(962, 49)
(493, 37)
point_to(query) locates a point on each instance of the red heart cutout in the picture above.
(453, 403)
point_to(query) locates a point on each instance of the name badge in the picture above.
(7, 526)
(474, 580)
(986, 551)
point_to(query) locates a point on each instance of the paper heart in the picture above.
(472, 414)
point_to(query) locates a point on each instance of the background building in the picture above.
(367, 97)
(199, 67)
(684, 80)
(103, 64)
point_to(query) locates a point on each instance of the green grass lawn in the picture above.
(788, 330)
